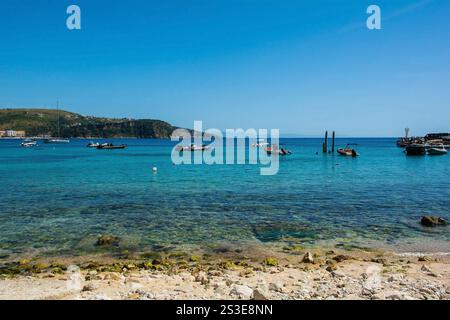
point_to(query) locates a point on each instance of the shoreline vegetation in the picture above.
(44, 123)
(300, 274)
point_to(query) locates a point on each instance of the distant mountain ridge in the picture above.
(39, 122)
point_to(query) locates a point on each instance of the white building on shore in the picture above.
(12, 134)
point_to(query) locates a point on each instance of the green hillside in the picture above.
(38, 122)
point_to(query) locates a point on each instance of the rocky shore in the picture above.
(306, 275)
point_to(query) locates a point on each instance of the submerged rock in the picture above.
(107, 240)
(433, 221)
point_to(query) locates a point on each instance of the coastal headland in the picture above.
(44, 122)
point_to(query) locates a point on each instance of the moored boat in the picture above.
(92, 144)
(280, 151)
(28, 143)
(349, 150)
(415, 149)
(193, 147)
(110, 146)
(56, 140)
(260, 143)
(437, 150)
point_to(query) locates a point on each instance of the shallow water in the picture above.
(56, 199)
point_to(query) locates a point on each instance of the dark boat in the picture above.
(110, 146)
(415, 150)
(280, 151)
(403, 142)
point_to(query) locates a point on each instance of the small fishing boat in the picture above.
(349, 150)
(92, 144)
(193, 147)
(260, 143)
(56, 140)
(279, 151)
(415, 149)
(437, 150)
(110, 146)
(28, 143)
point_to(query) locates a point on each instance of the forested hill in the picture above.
(38, 122)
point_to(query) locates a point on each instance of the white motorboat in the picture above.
(56, 140)
(437, 150)
(93, 144)
(28, 143)
(260, 143)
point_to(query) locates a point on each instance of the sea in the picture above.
(57, 199)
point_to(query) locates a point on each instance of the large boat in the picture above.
(437, 150)
(349, 150)
(415, 149)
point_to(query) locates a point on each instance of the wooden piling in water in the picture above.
(332, 142)
(325, 143)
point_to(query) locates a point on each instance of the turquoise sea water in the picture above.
(57, 199)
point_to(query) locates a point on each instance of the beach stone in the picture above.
(341, 257)
(379, 260)
(89, 287)
(113, 276)
(433, 221)
(135, 286)
(221, 291)
(425, 269)
(331, 268)
(424, 258)
(276, 286)
(202, 278)
(107, 240)
(101, 297)
(242, 291)
(337, 274)
(260, 293)
(308, 258)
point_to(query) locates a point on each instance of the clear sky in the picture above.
(301, 66)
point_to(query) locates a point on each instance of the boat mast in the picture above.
(57, 108)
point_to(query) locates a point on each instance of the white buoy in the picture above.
(155, 169)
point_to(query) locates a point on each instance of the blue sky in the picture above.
(301, 66)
